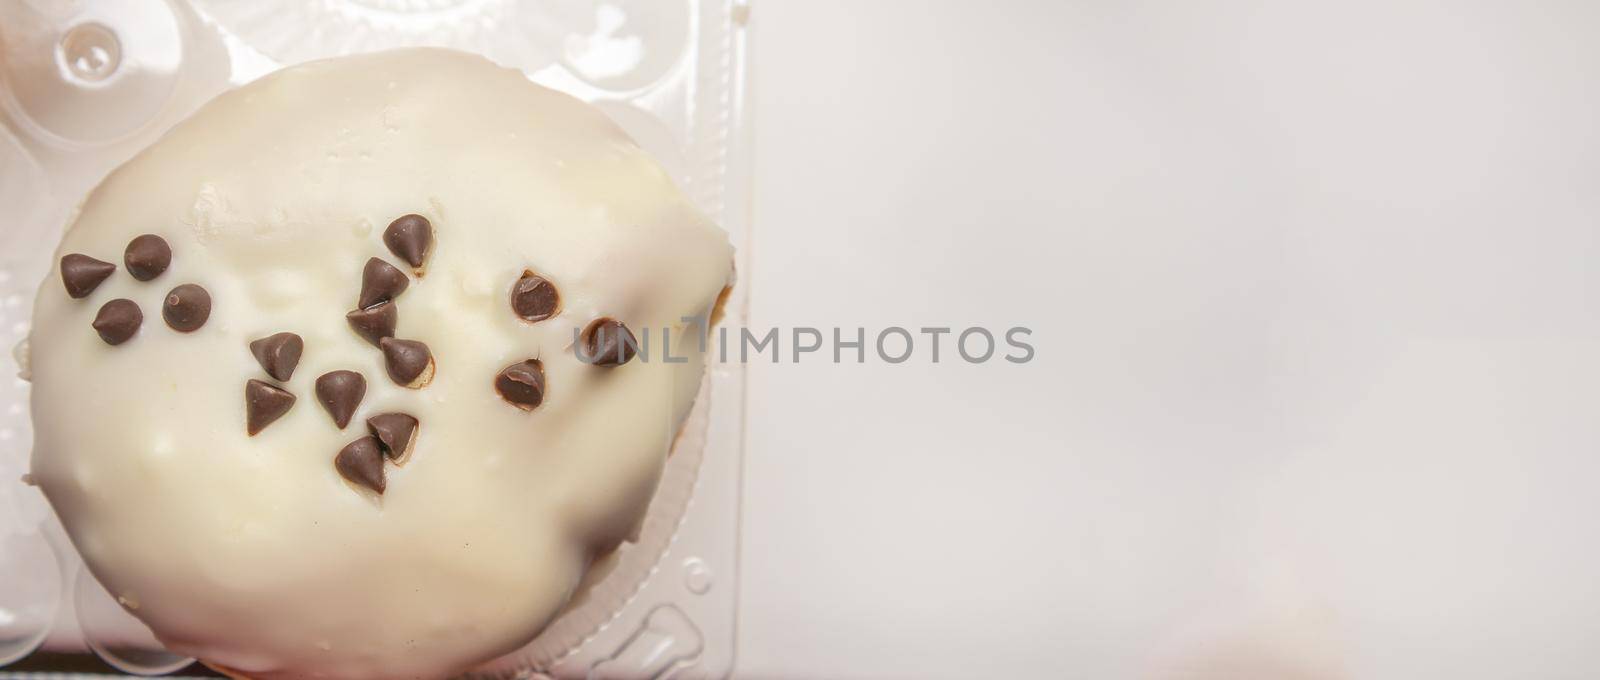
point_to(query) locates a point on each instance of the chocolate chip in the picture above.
(522, 384)
(147, 256)
(82, 274)
(278, 354)
(340, 392)
(397, 432)
(380, 282)
(607, 342)
(409, 239)
(374, 323)
(263, 404)
(187, 307)
(534, 298)
(118, 320)
(361, 462)
(409, 362)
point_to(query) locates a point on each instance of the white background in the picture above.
(1314, 292)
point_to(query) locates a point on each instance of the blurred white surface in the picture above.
(1314, 290)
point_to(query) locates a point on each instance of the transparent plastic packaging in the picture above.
(86, 84)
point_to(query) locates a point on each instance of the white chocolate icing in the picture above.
(252, 552)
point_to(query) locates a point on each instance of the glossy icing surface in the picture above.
(252, 552)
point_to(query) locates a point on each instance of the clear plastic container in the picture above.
(86, 84)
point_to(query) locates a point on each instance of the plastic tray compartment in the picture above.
(84, 85)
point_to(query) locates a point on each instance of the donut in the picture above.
(357, 371)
